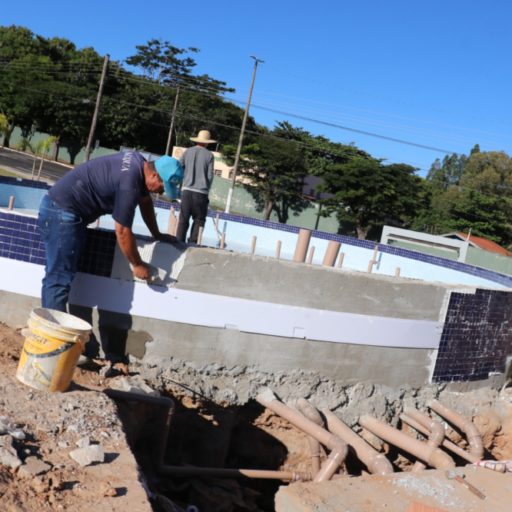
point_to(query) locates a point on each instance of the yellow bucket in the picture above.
(53, 343)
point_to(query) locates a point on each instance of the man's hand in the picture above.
(142, 271)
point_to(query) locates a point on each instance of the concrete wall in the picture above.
(239, 311)
(283, 282)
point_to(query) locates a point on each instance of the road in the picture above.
(23, 163)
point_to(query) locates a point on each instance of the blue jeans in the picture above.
(63, 234)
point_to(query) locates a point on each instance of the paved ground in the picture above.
(22, 163)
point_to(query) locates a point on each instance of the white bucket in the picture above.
(53, 343)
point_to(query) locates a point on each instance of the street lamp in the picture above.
(240, 140)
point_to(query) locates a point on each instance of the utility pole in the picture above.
(240, 140)
(173, 115)
(96, 109)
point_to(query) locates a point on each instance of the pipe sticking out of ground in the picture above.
(376, 462)
(337, 446)
(473, 436)
(432, 456)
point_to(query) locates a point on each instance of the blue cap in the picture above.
(171, 172)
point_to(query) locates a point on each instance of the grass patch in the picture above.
(3, 172)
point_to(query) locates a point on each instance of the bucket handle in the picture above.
(80, 338)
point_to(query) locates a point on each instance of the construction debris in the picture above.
(75, 450)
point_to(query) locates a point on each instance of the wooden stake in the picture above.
(11, 203)
(171, 224)
(373, 261)
(223, 241)
(278, 249)
(200, 236)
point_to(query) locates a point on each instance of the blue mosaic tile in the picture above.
(23, 182)
(98, 254)
(477, 336)
(397, 251)
(20, 240)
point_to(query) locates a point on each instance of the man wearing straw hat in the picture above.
(197, 163)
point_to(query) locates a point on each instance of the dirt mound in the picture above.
(62, 451)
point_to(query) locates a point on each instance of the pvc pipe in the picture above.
(188, 471)
(310, 255)
(420, 427)
(11, 203)
(473, 436)
(161, 447)
(301, 248)
(223, 240)
(337, 446)
(200, 236)
(434, 457)
(435, 438)
(253, 244)
(331, 253)
(377, 463)
(340, 259)
(315, 449)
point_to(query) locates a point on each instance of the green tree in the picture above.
(274, 170)
(4, 127)
(42, 149)
(448, 172)
(367, 194)
(479, 199)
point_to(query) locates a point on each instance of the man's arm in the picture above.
(211, 170)
(128, 246)
(147, 211)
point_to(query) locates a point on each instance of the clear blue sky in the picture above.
(434, 73)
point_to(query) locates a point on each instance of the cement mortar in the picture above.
(237, 385)
(298, 284)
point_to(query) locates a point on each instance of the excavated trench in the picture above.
(185, 430)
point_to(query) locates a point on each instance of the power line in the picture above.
(290, 114)
(355, 130)
(191, 85)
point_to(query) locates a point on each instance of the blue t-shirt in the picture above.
(110, 184)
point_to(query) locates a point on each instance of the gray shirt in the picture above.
(197, 163)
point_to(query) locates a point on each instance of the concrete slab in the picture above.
(401, 492)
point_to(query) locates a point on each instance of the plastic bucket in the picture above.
(53, 343)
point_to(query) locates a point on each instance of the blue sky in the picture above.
(434, 73)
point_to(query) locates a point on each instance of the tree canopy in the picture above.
(50, 85)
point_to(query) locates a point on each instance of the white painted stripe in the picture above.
(196, 308)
